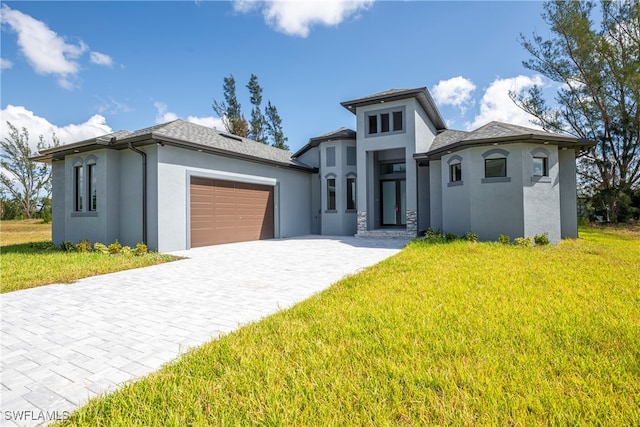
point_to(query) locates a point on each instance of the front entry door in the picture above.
(394, 202)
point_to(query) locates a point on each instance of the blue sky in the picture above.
(87, 68)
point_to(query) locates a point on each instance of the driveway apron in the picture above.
(64, 344)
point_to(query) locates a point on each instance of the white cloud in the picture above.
(20, 117)
(296, 17)
(497, 105)
(100, 59)
(46, 51)
(209, 121)
(456, 91)
(112, 106)
(5, 64)
(164, 116)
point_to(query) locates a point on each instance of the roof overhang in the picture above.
(562, 142)
(111, 143)
(421, 94)
(316, 141)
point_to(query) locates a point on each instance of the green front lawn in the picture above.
(29, 260)
(446, 334)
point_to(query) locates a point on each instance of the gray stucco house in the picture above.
(180, 185)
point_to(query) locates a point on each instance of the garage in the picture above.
(226, 212)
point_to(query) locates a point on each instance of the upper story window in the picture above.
(540, 166)
(385, 121)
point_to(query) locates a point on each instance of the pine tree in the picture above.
(258, 122)
(274, 126)
(230, 110)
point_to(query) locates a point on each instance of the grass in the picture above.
(29, 259)
(443, 334)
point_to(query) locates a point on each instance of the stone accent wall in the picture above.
(362, 221)
(412, 222)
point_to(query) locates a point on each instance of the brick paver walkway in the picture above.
(63, 344)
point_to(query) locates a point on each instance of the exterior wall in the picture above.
(568, 194)
(176, 166)
(418, 132)
(541, 195)
(339, 221)
(456, 197)
(101, 225)
(424, 205)
(496, 206)
(58, 202)
(130, 198)
(435, 191)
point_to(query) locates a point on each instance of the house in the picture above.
(180, 185)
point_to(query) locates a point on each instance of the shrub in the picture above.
(115, 248)
(101, 248)
(523, 241)
(450, 237)
(67, 246)
(43, 246)
(471, 236)
(83, 246)
(583, 220)
(542, 239)
(140, 249)
(505, 239)
(126, 251)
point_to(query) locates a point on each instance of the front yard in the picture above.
(29, 259)
(442, 334)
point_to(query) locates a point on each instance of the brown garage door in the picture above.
(226, 212)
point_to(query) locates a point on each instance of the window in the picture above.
(455, 172)
(397, 121)
(92, 180)
(331, 156)
(386, 121)
(78, 180)
(331, 194)
(392, 168)
(540, 166)
(351, 193)
(373, 124)
(494, 168)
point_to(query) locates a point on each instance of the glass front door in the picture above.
(394, 202)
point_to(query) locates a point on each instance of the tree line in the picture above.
(263, 126)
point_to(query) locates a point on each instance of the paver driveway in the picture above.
(63, 344)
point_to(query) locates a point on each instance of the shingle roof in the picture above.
(186, 134)
(496, 132)
(421, 94)
(340, 133)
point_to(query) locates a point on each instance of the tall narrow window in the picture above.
(351, 193)
(331, 194)
(397, 120)
(455, 172)
(373, 124)
(494, 168)
(540, 166)
(78, 180)
(92, 180)
(384, 122)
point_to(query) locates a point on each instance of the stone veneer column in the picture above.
(362, 221)
(412, 222)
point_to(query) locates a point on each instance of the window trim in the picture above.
(496, 154)
(391, 115)
(92, 188)
(452, 162)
